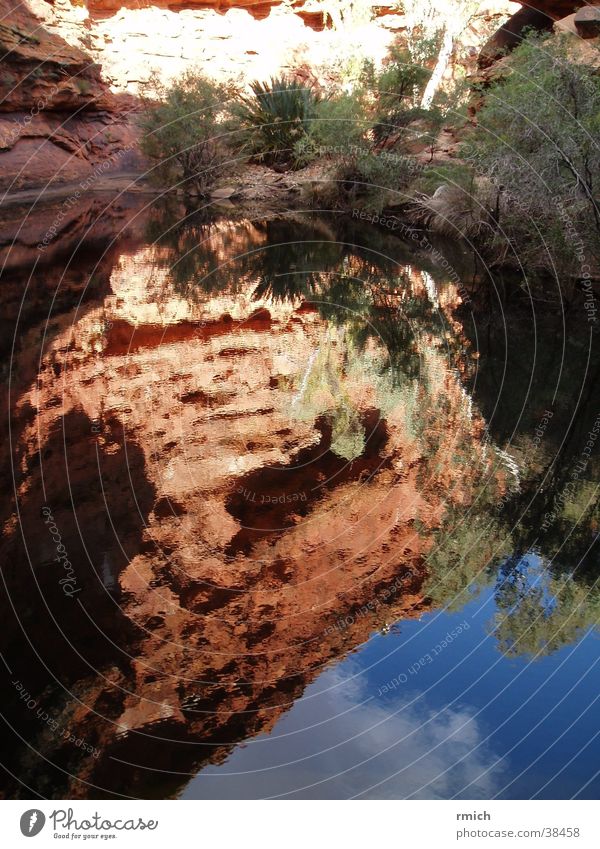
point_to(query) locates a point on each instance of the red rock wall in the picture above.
(72, 71)
(59, 120)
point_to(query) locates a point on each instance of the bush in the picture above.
(394, 92)
(366, 179)
(275, 119)
(537, 142)
(373, 135)
(393, 95)
(339, 125)
(184, 126)
(399, 83)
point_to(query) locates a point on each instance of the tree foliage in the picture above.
(275, 117)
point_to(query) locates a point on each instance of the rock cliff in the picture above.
(59, 119)
(71, 71)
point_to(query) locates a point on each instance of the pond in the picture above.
(294, 508)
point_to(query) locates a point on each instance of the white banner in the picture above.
(271, 825)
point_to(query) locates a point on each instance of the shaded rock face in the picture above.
(587, 22)
(539, 15)
(239, 497)
(59, 121)
(510, 34)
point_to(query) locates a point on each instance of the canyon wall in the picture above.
(71, 71)
(234, 41)
(60, 122)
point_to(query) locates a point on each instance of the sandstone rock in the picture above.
(539, 14)
(224, 193)
(587, 21)
(42, 71)
(59, 121)
(583, 49)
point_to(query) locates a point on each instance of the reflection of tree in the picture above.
(541, 366)
(546, 598)
(539, 612)
(205, 256)
(464, 553)
(348, 434)
(184, 248)
(294, 264)
(323, 393)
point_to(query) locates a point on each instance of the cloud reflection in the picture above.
(359, 745)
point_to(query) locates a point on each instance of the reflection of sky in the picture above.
(469, 723)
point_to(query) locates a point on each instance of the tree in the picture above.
(431, 23)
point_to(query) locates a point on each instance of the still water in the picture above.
(292, 510)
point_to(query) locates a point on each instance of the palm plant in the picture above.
(275, 117)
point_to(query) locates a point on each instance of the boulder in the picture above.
(539, 15)
(587, 21)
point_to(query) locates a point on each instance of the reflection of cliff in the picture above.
(189, 452)
(74, 252)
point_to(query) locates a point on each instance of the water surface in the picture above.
(292, 510)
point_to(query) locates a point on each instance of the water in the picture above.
(293, 510)
(465, 724)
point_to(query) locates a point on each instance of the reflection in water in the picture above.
(360, 747)
(259, 444)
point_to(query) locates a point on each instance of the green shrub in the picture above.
(406, 127)
(395, 92)
(399, 83)
(184, 126)
(537, 143)
(366, 179)
(339, 125)
(275, 118)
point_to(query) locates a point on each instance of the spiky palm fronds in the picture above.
(275, 116)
